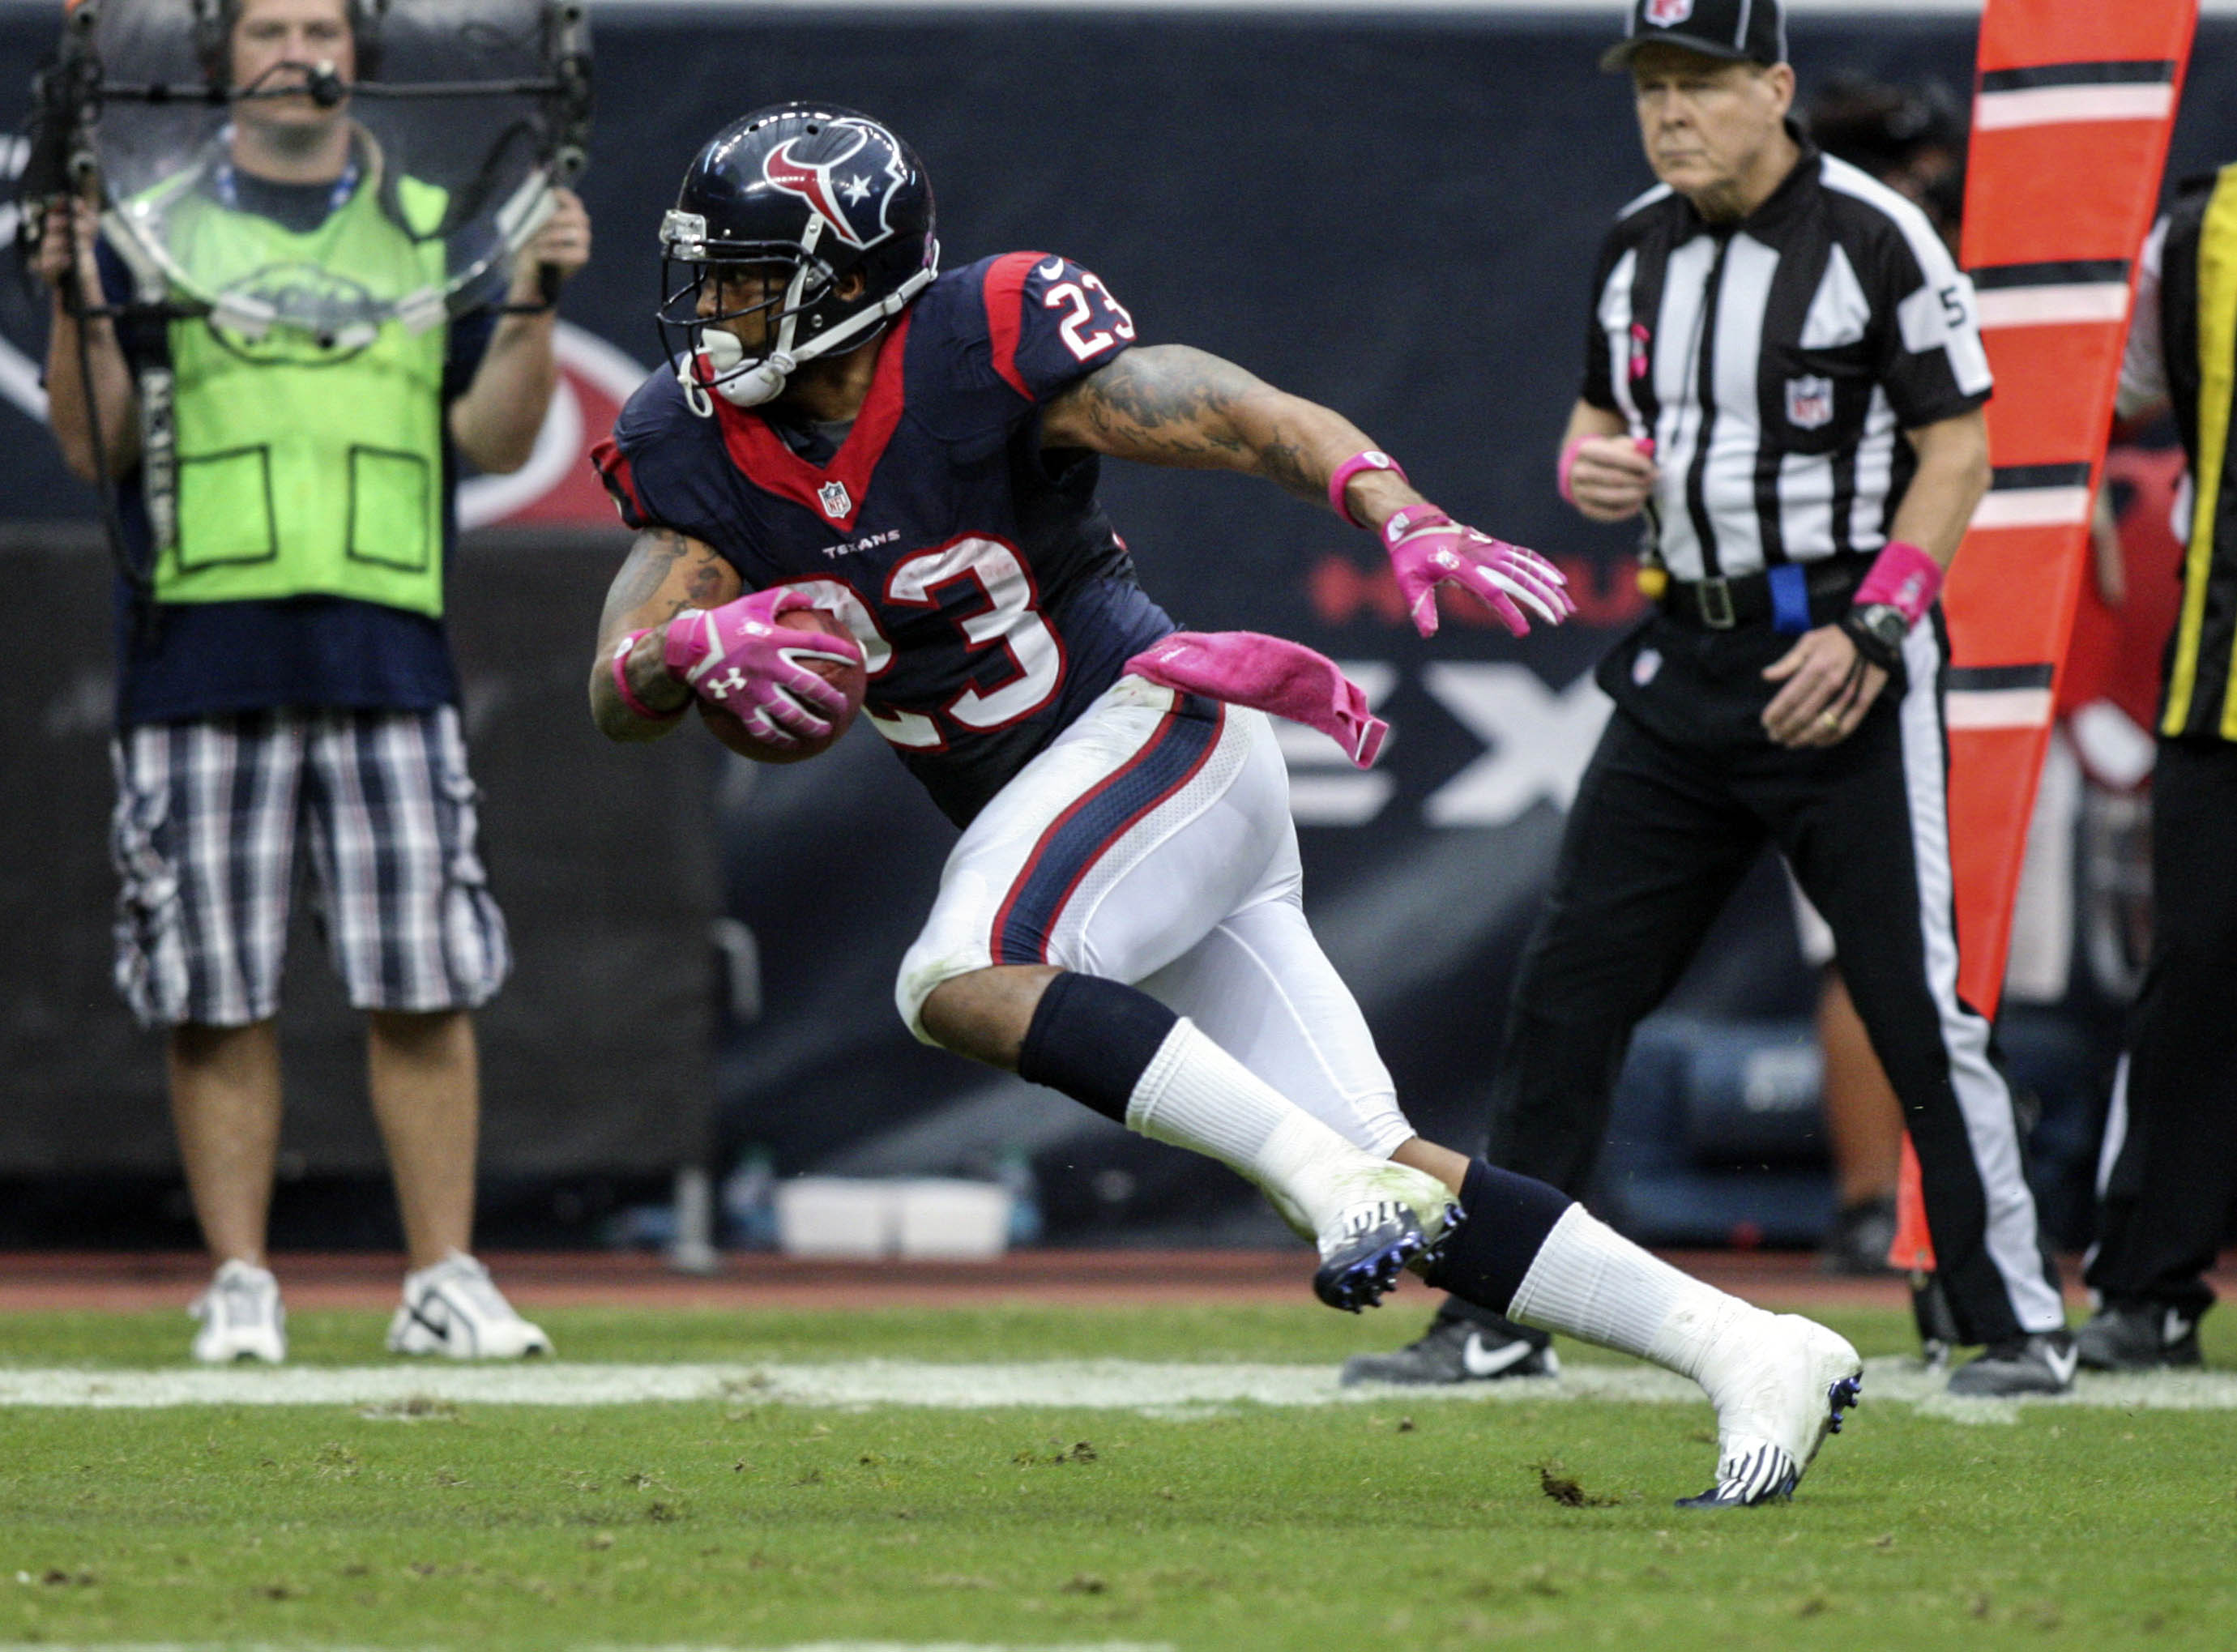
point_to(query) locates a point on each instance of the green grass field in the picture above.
(1399, 1522)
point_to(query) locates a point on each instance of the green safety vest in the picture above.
(304, 469)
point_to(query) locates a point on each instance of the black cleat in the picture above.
(2138, 1335)
(1459, 1351)
(2042, 1364)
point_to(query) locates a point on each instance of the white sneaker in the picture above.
(452, 1309)
(1779, 1383)
(241, 1317)
(1389, 1215)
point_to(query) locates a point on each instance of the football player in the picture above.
(848, 428)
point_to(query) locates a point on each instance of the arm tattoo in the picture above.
(706, 582)
(1168, 405)
(1165, 405)
(1287, 465)
(652, 563)
(647, 568)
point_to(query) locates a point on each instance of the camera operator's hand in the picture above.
(496, 421)
(562, 246)
(71, 228)
(66, 248)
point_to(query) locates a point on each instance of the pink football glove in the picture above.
(1427, 546)
(738, 657)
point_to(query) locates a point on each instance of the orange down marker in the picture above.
(2073, 105)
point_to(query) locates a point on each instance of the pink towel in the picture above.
(1289, 680)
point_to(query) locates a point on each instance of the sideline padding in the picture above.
(2035, 367)
(2073, 106)
(2076, 190)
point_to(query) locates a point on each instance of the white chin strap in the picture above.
(722, 359)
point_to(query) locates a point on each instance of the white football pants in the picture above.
(1151, 844)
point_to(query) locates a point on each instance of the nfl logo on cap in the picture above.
(1735, 31)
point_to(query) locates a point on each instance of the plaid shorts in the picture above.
(208, 817)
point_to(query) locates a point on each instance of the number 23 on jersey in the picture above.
(1094, 321)
(1003, 614)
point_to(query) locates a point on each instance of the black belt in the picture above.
(1746, 599)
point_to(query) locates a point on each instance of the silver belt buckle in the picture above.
(1714, 598)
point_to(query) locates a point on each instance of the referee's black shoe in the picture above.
(2042, 1364)
(1454, 1350)
(2138, 1335)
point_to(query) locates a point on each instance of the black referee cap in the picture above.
(1740, 30)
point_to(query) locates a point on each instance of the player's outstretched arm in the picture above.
(1169, 404)
(666, 573)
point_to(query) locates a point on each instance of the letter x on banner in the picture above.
(2073, 107)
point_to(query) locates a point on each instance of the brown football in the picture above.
(850, 680)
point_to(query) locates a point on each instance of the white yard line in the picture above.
(1153, 1390)
(806, 1646)
(814, 1646)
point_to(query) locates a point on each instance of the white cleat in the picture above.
(452, 1309)
(1388, 1215)
(1780, 1383)
(241, 1317)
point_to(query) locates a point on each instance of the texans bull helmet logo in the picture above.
(851, 191)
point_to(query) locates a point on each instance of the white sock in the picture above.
(1589, 1281)
(1194, 1094)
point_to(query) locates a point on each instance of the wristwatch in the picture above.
(1877, 629)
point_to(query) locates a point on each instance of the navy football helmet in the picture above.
(802, 195)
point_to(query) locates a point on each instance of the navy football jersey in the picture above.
(991, 597)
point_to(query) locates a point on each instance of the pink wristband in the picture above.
(1569, 462)
(637, 708)
(1903, 577)
(1372, 459)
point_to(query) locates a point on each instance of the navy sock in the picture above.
(1508, 1220)
(1093, 1039)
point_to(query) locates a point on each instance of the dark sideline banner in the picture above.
(1394, 215)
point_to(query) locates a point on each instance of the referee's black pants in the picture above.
(2167, 1199)
(1680, 797)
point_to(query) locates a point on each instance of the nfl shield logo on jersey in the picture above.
(836, 500)
(1808, 402)
(1669, 14)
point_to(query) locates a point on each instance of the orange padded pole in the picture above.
(2073, 105)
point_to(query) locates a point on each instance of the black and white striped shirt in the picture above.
(1775, 363)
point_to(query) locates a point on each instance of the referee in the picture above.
(2170, 1160)
(1785, 378)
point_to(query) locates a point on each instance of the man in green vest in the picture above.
(2167, 1175)
(287, 680)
